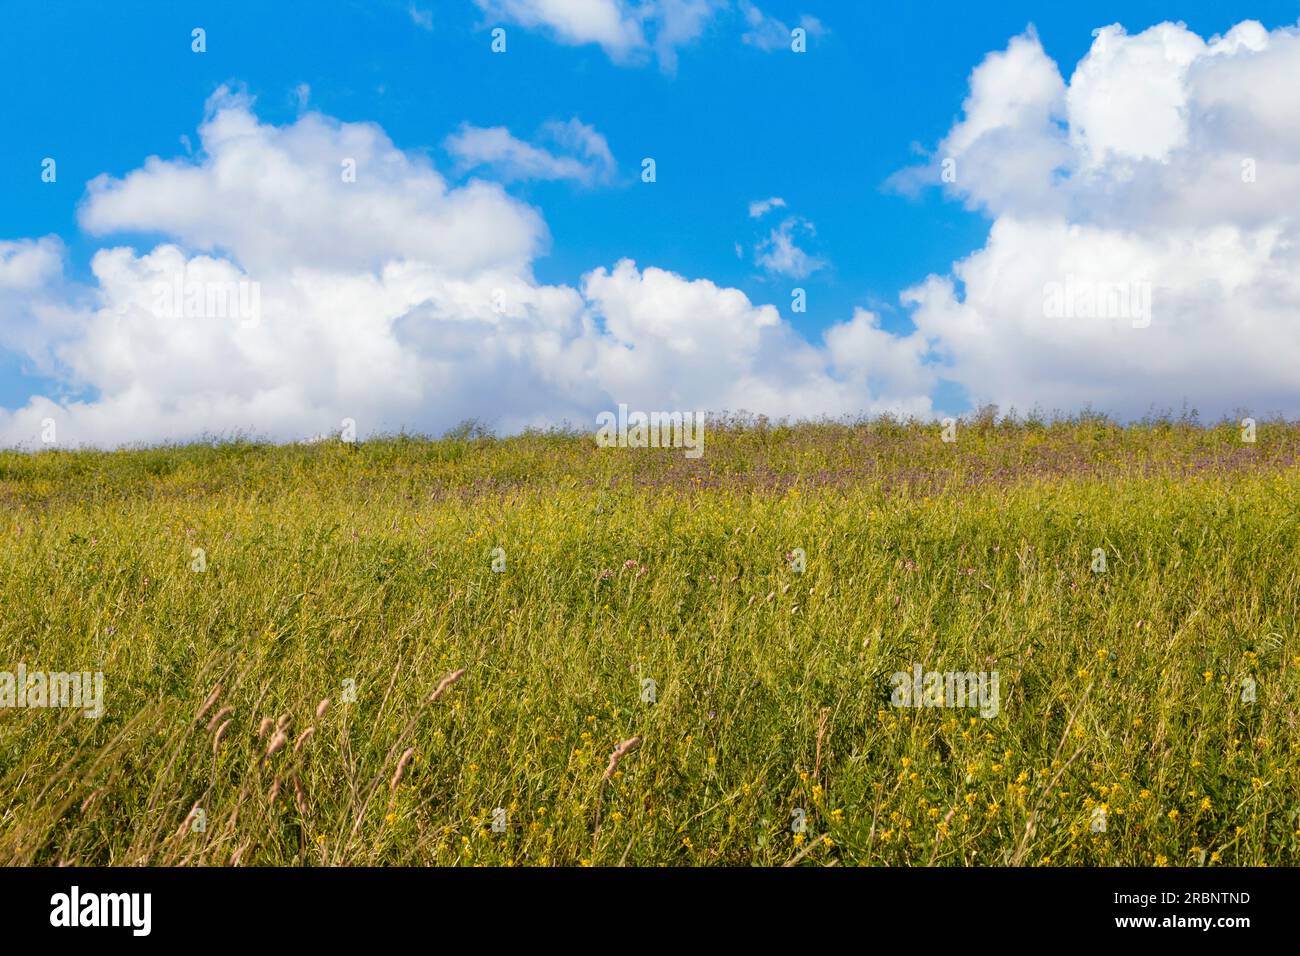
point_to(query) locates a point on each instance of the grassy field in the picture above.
(1162, 690)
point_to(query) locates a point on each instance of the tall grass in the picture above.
(363, 574)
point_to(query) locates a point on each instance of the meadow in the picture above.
(417, 651)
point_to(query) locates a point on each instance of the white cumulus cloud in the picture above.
(288, 294)
(627, 31)
(779, 253)
(766, 32)
(584, 154)
(1164, 172)
(761, 207)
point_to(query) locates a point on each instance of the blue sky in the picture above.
(102, 87)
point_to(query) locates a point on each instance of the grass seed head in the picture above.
(299, 795)
(216, 738)
(401, 767)
(219, 716)
(207, 704)
(621, 751)
(447, 682)
(277, 743)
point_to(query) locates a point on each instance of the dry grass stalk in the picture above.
(216, 738)
(185, 824)
(219, 716)
(401, 767)
(303, 738)
(207, 704)
(446, 682)
(277, 743)
(621, 751)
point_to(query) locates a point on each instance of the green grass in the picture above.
(373, 564)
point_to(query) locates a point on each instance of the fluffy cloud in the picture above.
(766, 32)
(613, 24)
(1166, 171)
(589, 160)
(628, 32)
(34, 305)
(779, 254)
(289, 294)
(1143, 251)
(27, 265)
(761, 207)
(275, 198)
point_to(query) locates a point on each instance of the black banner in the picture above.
(336, 905)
